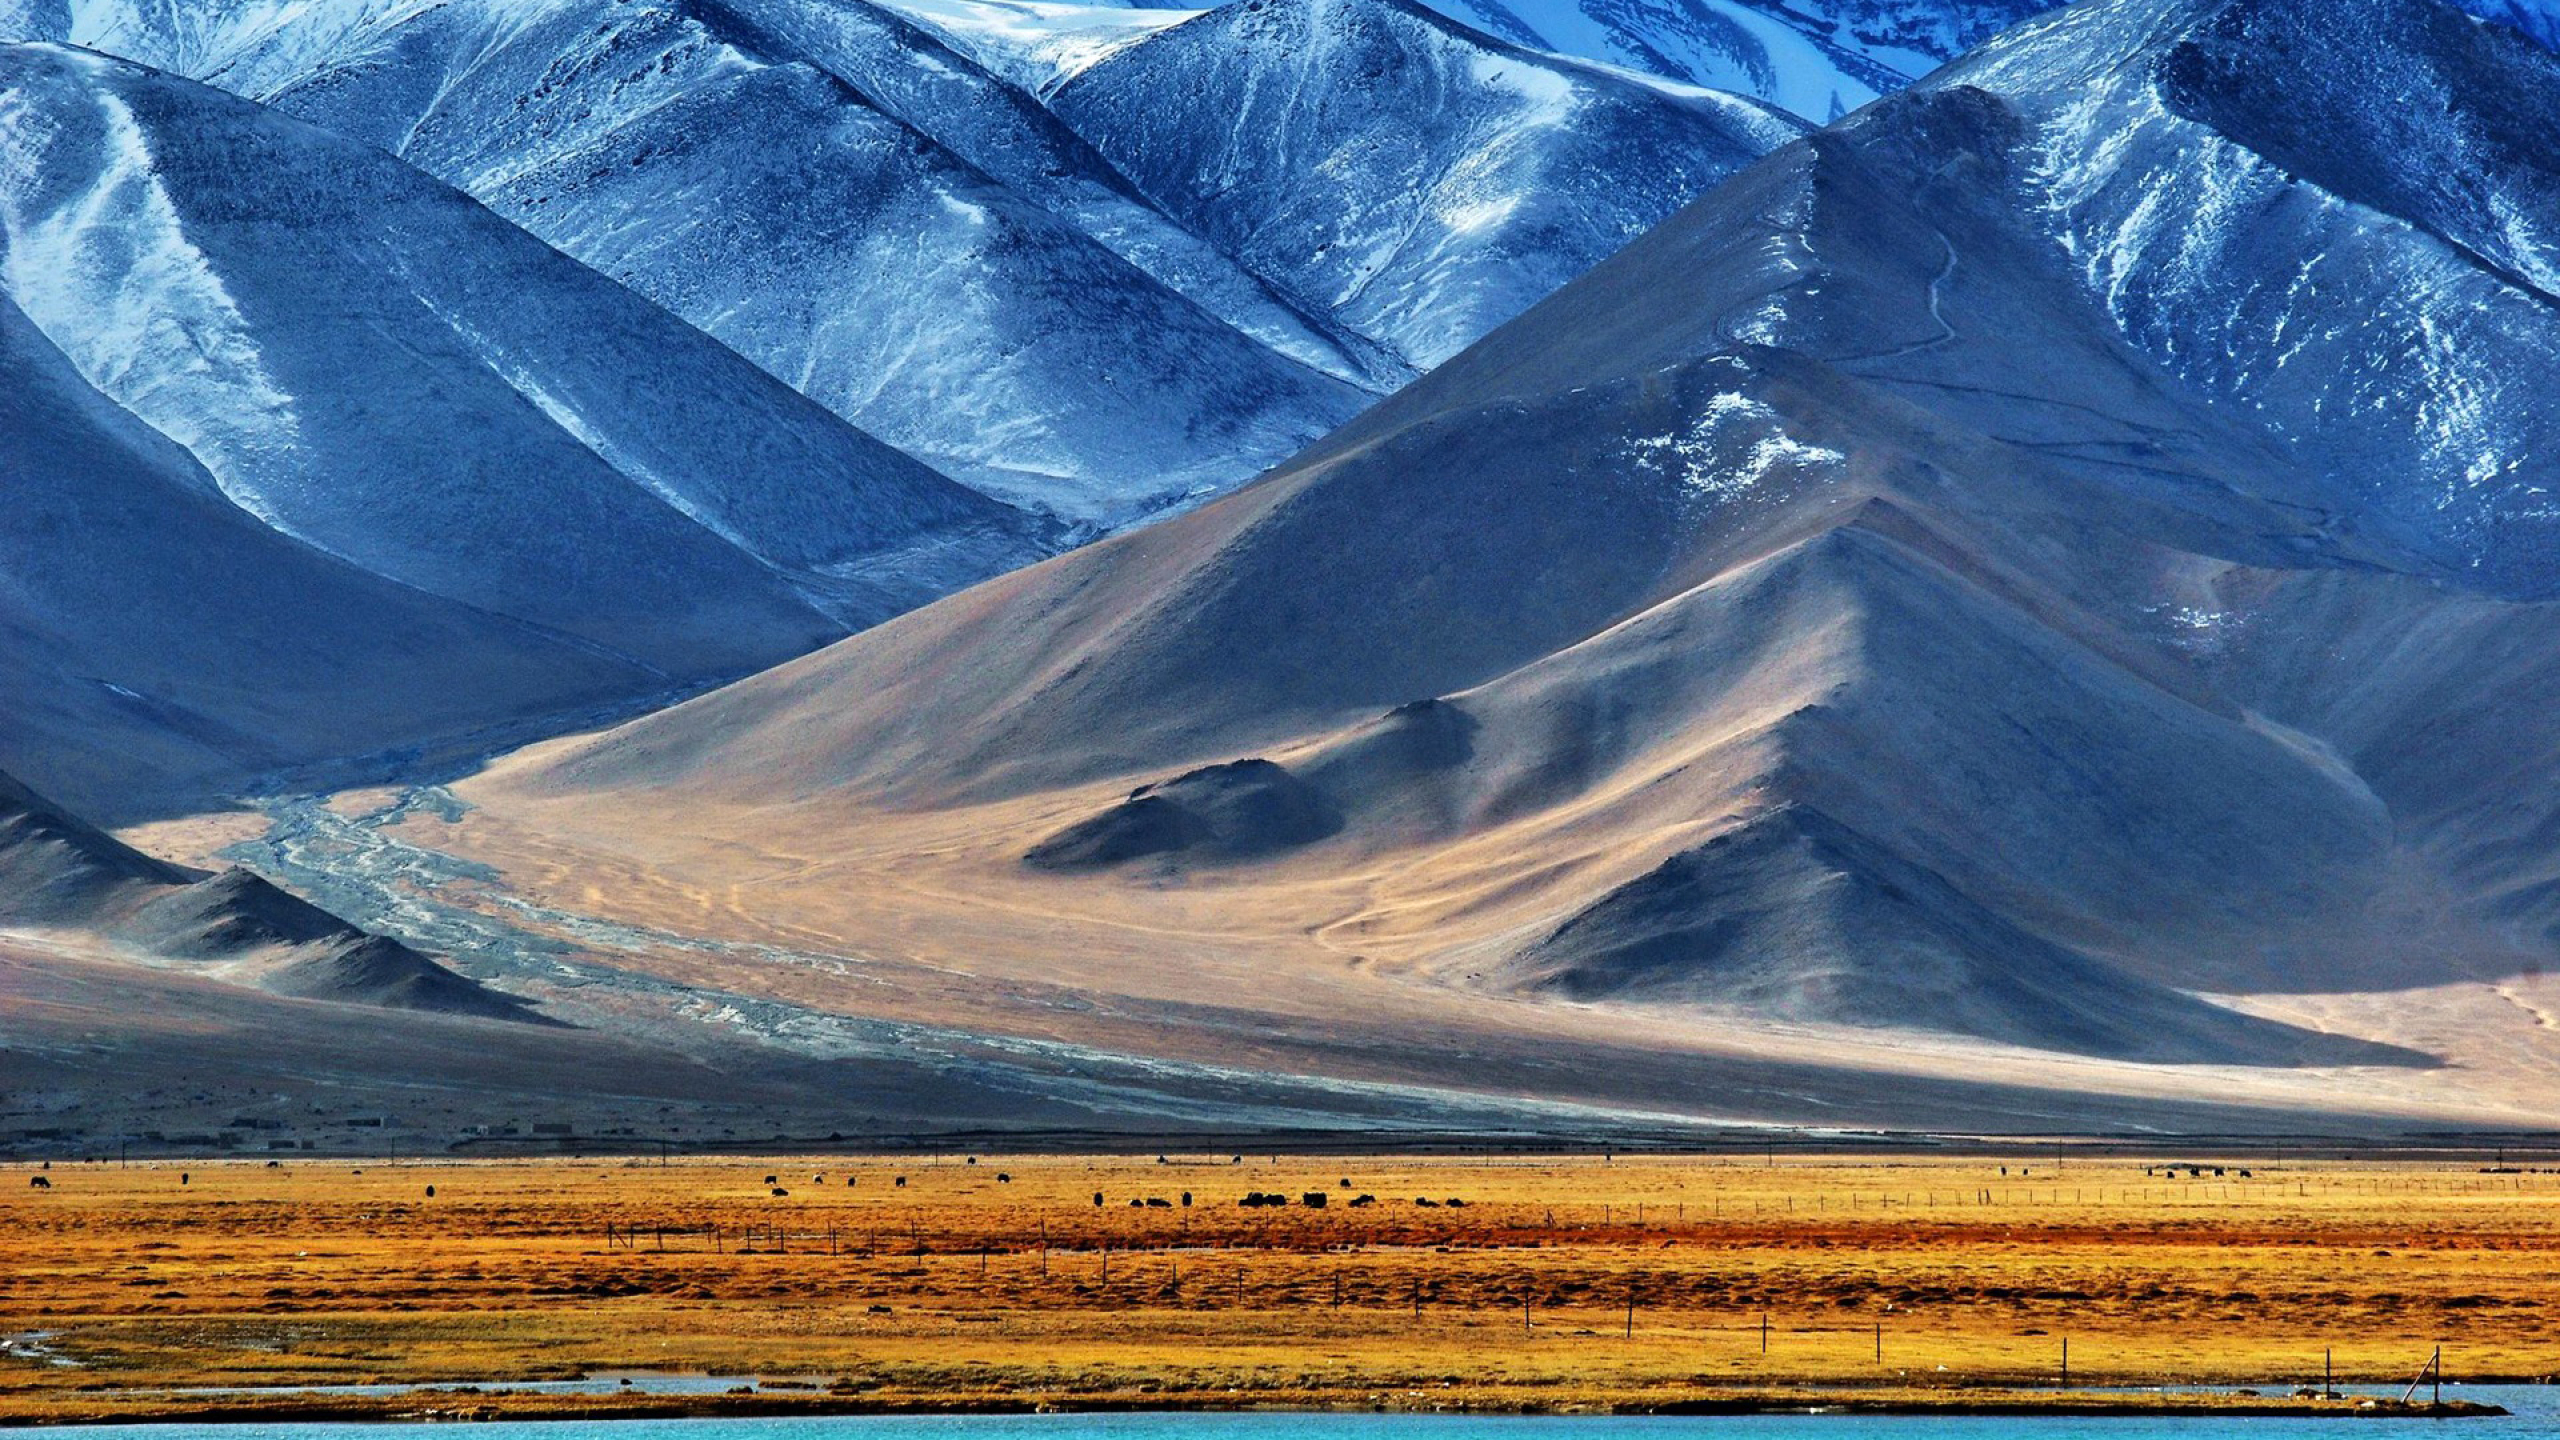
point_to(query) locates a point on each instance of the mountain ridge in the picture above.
(943, 260)
(58, 874)
(1852, 494)
(395, 383)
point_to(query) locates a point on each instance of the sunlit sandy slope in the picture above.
(1898, 613)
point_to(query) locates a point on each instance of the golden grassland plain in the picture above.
(1559, 1283)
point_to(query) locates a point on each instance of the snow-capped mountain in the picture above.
(2070, 538)
(809, 228)
(157, 640)
(2361, 258)
(1037, 44)
(1397, 173)
(913, 238)
(1818, 59)
(396, 389)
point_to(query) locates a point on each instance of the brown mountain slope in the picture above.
(1852, 605)
(54, 866)
(60, 876)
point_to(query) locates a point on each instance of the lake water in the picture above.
(2536, 1417)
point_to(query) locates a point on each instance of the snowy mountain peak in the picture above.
(948, 226)
(2247, 185)
(1364, 155)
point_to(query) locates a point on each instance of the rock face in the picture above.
(891, 221)
(314, 457)
(2069, 538)
(59, 873)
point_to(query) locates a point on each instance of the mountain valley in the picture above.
(875, 569)
(1848, 606)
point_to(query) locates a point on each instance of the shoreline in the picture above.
(474, 1405)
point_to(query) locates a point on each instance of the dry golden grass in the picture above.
(961, 1288)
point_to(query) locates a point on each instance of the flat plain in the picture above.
(956, 1282)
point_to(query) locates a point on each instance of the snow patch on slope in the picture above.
(1732, 446)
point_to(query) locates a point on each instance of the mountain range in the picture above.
(2029, 599)
(960, 264)
(2064, 543)
(322, 458)
(1816, 59)
(273, 303)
